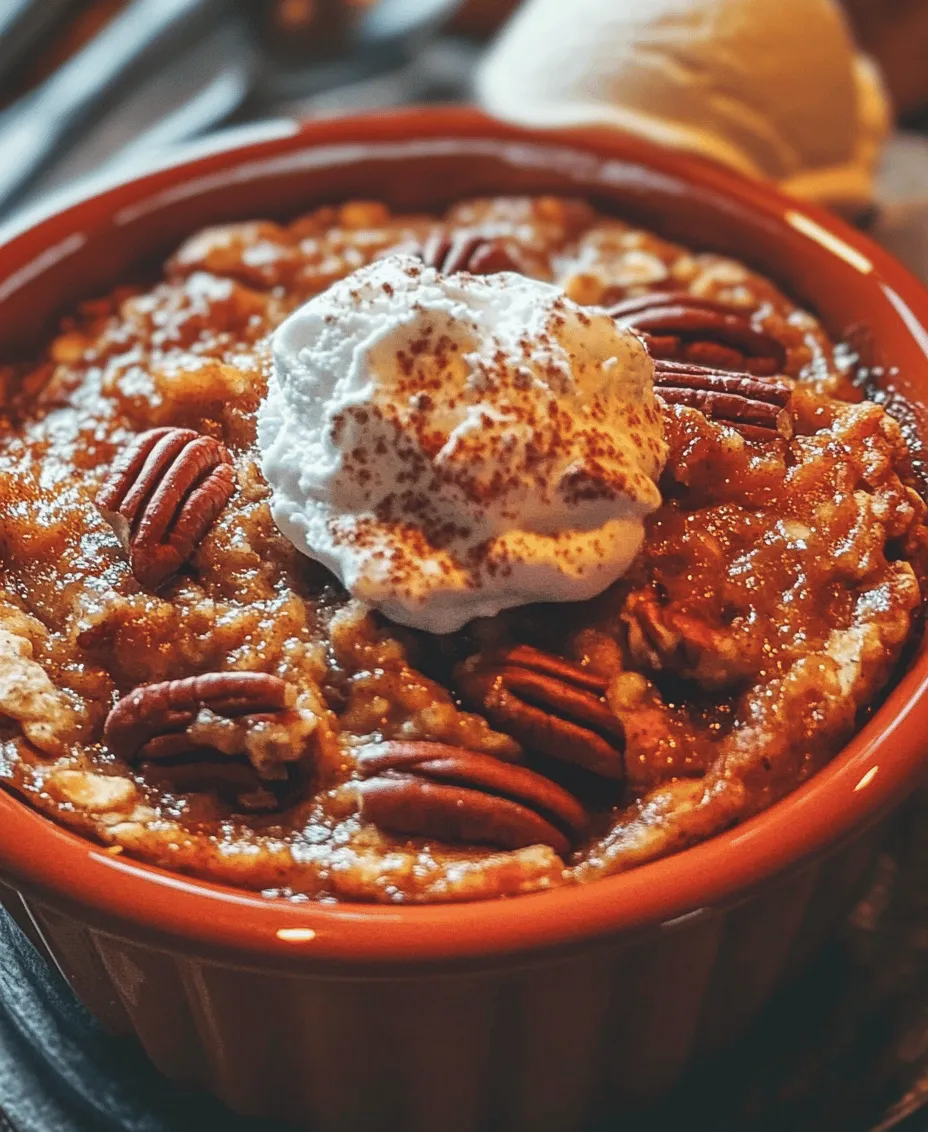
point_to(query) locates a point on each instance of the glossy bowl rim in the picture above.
(873, 772)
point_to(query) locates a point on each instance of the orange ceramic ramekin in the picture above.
(534, 1013)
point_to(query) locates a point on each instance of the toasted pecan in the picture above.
(154, 725)
(436, 790)
(548, 704)
(754, 406)
(687, 328)
(162, 495)
(466, 251)
(152, 720)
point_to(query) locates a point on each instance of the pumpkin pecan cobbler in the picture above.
(392, 558)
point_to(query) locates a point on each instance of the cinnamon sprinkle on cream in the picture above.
(451, 446)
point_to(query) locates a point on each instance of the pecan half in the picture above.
(755, 406)
(662, 637)
(548, 704)
(466, 251)
(151, 722)
(156, 725)
(435, 790)
(161, 497)
(682, 327)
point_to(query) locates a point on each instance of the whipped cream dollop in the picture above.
(450, 446)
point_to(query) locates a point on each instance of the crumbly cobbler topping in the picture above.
(178, 682)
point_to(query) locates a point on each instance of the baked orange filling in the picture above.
(179, 681)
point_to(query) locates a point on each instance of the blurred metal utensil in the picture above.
(23, 24)
(237, 83)
(399, 21)
(33, 128)
(205, 84)
(440, 72)
(201, 85)
(381, 38)
(234, 78)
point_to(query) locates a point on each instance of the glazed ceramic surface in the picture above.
(536, 1013)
